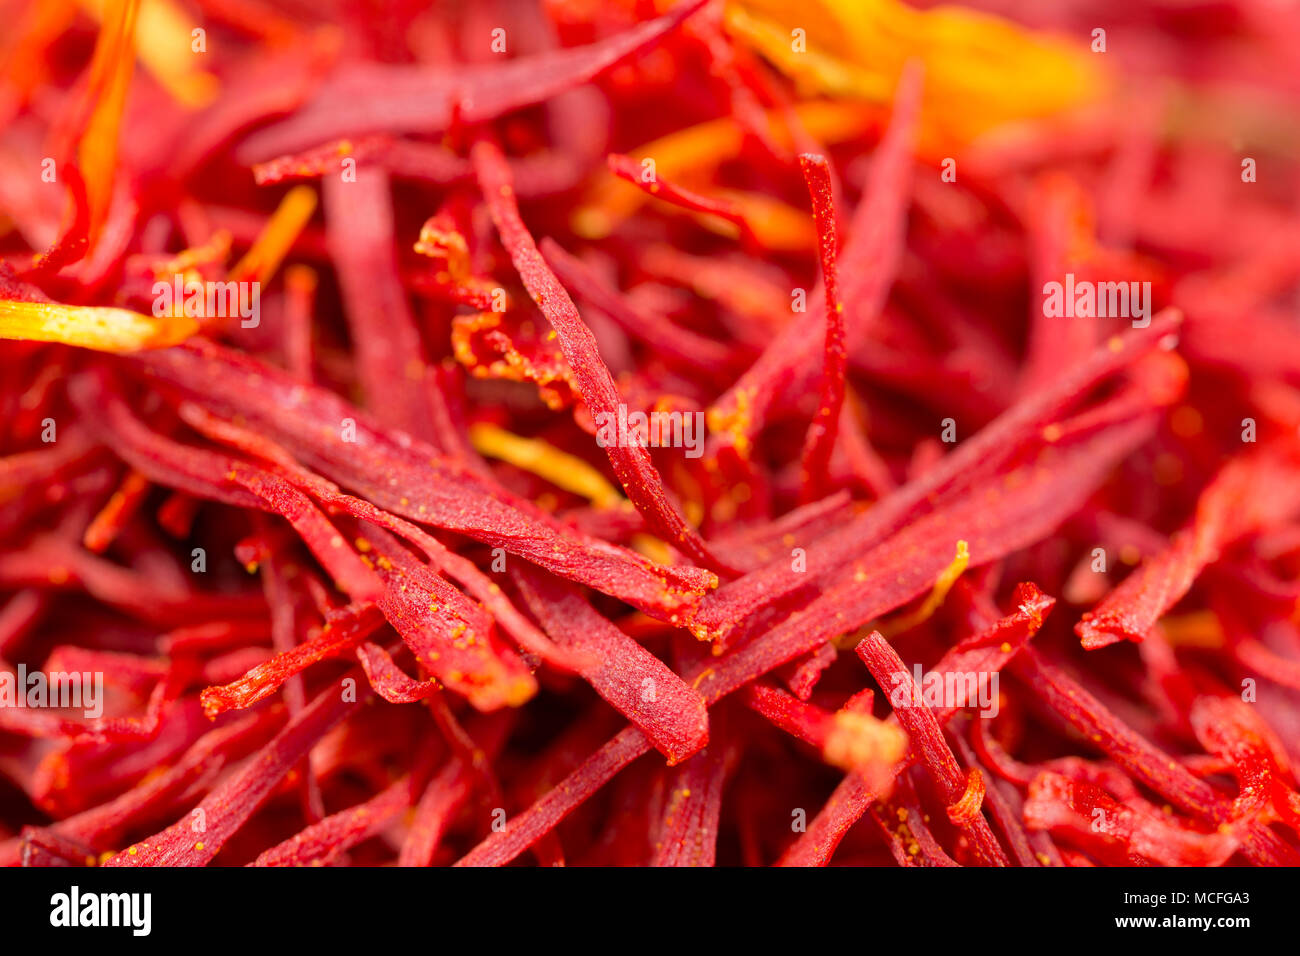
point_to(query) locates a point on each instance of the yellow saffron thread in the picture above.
(545, 461)
(277, 238)
(94, 327)
(942, 585)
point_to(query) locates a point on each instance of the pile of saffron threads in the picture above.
(652, 432)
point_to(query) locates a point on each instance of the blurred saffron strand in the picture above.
(649, 433)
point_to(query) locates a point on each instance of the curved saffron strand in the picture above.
(26, 469)
(820, 440)
(842, 810)
(1250, 493)
(629, 170)
(75, 239)
(21, 612)
(1230, 730)
(926, 737)
(1259, 658)
(467, 772)
(388, 680)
